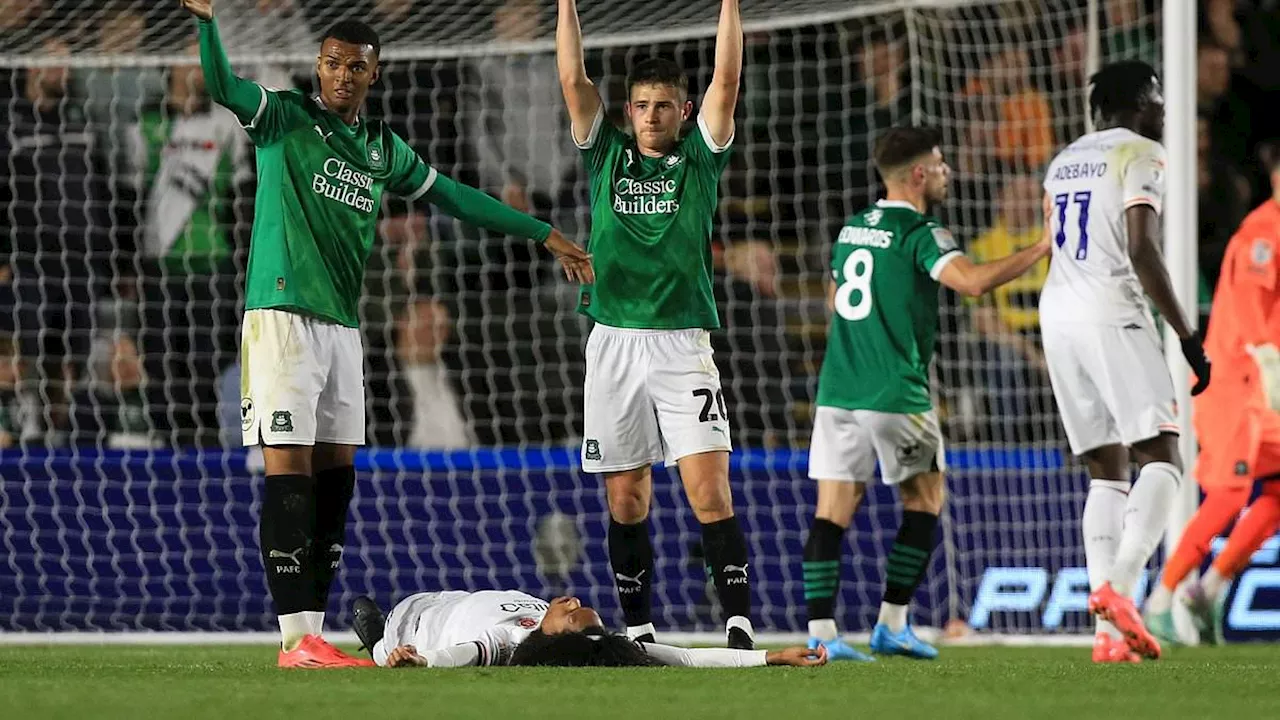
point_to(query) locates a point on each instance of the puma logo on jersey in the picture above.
(323, 135)
(673, 160)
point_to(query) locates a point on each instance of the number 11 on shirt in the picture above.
(1081, 199)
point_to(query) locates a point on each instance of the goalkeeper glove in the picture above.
(1193, 351)
(1267, 358)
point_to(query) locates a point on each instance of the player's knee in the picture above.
(628, 495)
(1162, 448)
(923, 493)
(711, 501)
(837, 501)
(627, 508)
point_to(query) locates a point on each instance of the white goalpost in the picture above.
(128, 511)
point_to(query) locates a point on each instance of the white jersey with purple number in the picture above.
(1091, 184)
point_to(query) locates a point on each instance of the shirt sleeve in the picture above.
(493, 647)
(265, 114)
(411, 176)
(1251, 272)
(1143, 182)
(704, 657)
(934, 246)
(476, 208)
(600, 139)
(703, 148)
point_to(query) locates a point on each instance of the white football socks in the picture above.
(315, 621)
(294, 627)
(824, 629)
(1161, 599)
(1102, 525)
(1145, 519)
(1214, 584)
(635, 631)
(894, 616)
(742, 623)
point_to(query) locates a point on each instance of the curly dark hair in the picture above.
(1121, 87)
(589, 648)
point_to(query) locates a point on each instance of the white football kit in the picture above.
(457, 629)
(1101, 343)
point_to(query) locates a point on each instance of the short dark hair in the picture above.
(355, 33)
(1120, 87)
(590, 648)
(899, 145)
(657, 71)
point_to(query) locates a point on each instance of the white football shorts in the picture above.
(301, 382)
(846, 443)
(1111, 383)
(651, 396)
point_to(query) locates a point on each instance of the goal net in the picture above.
(127, 503)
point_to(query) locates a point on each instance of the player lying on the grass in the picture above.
(1237, 423)
(652, 387)
(873, 393)
(322, 172)
(1106, 365)
(509, 627)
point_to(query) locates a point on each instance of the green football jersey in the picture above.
(320, 185)
(651, 230)
(885, 266)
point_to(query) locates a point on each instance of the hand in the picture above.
(797, 657)
(1193, 351)
(202, 9)
(576, 261)
(405, 656)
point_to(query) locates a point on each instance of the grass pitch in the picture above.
(988, 683)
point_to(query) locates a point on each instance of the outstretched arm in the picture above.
(580, 94)
(728, 657)
(973, 279)
(477, 208)
(721, 98)
(243, 97)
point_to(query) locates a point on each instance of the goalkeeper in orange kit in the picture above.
(1237, 421)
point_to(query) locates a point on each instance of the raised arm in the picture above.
(242, 97)
(721, 98)
(580, 94)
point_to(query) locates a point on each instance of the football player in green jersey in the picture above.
(873, 393)
(322, 171)
(652, 387)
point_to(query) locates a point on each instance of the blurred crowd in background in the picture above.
(130, 207)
